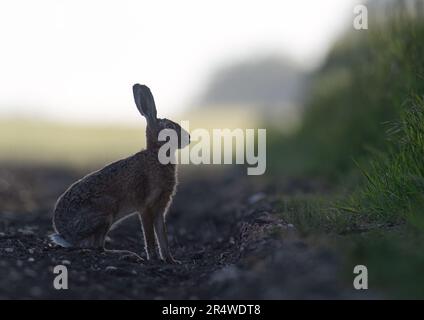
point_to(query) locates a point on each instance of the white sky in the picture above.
(76, 60)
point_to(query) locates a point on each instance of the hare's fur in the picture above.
(84, 214)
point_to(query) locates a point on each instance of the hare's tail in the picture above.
(58, 239)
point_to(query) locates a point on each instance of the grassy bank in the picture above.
(363, 129)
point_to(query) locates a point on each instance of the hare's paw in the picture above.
(125, 255)
(171, 260)
(131, 257)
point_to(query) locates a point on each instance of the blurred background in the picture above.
(296, 68)
(67, 69)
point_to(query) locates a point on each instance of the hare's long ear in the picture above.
(145, 103)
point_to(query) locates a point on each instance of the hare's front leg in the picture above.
(162, 237)
(146, 218)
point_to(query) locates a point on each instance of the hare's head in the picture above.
(146, 105)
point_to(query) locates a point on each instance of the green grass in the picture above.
(392, 253)
(364, 127)
(313, 214)
(394, 187)
(393, 194)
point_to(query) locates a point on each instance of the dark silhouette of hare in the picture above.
(85, 213)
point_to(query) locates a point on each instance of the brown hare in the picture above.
(85, 213)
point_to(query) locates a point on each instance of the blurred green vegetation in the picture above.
(394, 259)
(363, 127)
(363, 85)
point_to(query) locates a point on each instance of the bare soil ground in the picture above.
(225, 230)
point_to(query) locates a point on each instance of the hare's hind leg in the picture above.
(95, 241)
(89, 243)
(91, 230)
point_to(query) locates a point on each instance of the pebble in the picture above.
(31, 259)
(66, 262)
(9, 250)
(256, 197)
(110, 268)
(26, 232)
(120, 272)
